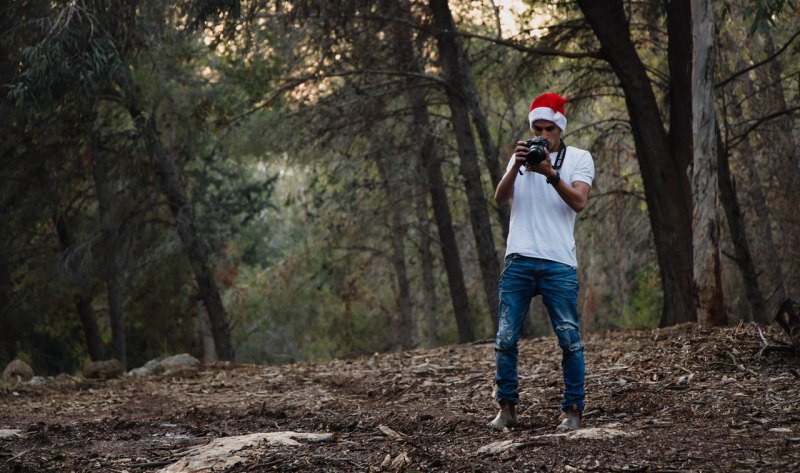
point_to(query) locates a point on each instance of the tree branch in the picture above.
(298, 81)
(739, 138)
(758, 64)
(503, 42)
(532, 50)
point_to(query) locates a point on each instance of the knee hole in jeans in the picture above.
(569, 338)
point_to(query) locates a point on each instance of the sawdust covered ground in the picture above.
(679, 399)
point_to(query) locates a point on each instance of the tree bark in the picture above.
(431, 166)
(777, 97)
(457, 97)
(741, 247)
(206, 337)
(679, 54)
(490, 158)
(101, 172)
(397, 232)
(666, 185)
(172, 188)
(430, 303)
(764, 240)
(781, 157)
(705, 213)
(83, 303)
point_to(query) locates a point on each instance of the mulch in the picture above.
(685, 398)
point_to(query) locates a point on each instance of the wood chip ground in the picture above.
(679, 399)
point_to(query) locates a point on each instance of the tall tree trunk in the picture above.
(407, 61)
(741, 247)
(429, 304)
(83, 303)
(777, 98)
(760, 244)
(763, 244)
(666, 185)
(679, 53)
(705, 214)
(171, 186)
(457, 97)
(101, 171)
(782, 157)
(431, 166)
(490, 158)
(397, 229)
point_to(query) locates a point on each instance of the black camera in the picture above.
(538, 150)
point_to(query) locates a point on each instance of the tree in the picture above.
(103, 36)
(112, 269)
(663, 169)
(456, 69)
(430, 165)
(705, 220)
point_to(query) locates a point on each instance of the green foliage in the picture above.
(70, 63)
(764, 13)
(644, 307)
(287, 122)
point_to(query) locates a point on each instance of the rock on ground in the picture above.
(17, 371)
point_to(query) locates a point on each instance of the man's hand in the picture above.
(506, 187)
(545, 167)
(520, 152)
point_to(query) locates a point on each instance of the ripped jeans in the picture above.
(524, 278)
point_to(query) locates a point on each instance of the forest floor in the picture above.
(678, 399)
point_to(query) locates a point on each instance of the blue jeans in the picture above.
(523, 279)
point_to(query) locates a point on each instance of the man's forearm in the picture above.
(574, 195)
(505, 189)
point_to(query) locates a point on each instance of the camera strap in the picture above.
(562, 151)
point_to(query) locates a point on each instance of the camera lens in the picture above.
(538, 150)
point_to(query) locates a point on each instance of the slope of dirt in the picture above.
(678, 399)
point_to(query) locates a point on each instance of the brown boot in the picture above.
(572, 419)
(507, 416)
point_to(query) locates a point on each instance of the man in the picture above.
(540, 257)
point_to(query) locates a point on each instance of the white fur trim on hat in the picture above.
(547, 113)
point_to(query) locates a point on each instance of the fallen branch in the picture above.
(789, 319)
(221, 453)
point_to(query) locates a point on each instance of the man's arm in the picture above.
(574, 195)
(505, 189)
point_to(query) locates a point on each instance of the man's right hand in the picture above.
(520, 153)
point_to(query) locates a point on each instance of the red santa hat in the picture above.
(550, 107)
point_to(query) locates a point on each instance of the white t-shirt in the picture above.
(542, 223)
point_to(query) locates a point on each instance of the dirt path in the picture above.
(680, 399)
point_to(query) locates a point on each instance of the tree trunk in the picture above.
(763, 243)
(759, 170)
(705, 215)
(407, 61)
(83, 303)
(101, 171)
(777, 97)
(431, 166)
(666, 185)
(426, 255)
(397, 232)
(490, 158)
(172, 188)
(781, 156)
(457, 97)
(733, 213)
(206, 337)
(679, 54)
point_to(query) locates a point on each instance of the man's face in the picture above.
(549, 131)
